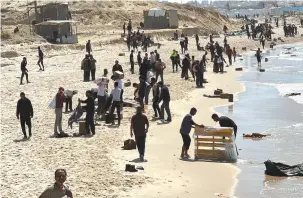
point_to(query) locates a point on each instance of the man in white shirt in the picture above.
(116, 102)
(101, 98)
(120, 86)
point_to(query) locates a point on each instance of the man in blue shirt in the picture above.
(186, 126)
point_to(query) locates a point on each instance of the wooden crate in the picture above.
(210, 143)
(82, 130)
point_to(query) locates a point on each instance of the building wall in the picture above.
(173, 18)
(151, 22)
(53, 12)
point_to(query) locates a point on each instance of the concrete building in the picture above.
(53, 12)
(158, 18)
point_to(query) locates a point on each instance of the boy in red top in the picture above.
(138, 123)
(60, 98)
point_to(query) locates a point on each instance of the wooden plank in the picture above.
(213, 140)
(223, 131)
(212, 145)
(204, 152)
(216, 134)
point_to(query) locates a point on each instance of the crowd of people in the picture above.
(150, 79)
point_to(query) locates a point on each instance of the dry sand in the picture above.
(95, 165)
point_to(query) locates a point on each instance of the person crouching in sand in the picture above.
(138, 123)
(58, 189)
(186, 126)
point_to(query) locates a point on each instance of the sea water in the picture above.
(264, 108)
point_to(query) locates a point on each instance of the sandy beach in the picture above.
(95, 165)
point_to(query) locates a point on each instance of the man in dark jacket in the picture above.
(144, 68)
(24, 71)
(155, 89)
(117, 67)
(185, 67)
(132, 62)
(90, 110)
(93, 67)
(139, 59)
(86, 67)
(25, 111)
(139, 126)
(165, 96)
(88, 47)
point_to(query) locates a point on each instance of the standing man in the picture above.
(225, 122)
(116, 103)
(139, 126)
(24, 71)
(156, 94)
(132, 62)
(139, 59)
(86, 67)
(124, 26)
(234, 54)
(142, 90)
(41, 56)
(129, 26)
(197, 41)
(157, 55)
(90, 110)
(93, 67)
(186, 126)
(198, 67)
(88, 47)
(258, 55)
(165, 96)
(173, 58)
(101, 98)
(229, 53)
(185, 67)
(60, 98)
(204, 61)
(159, 68)
(25, 111)
(58, 189)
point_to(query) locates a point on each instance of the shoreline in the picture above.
(237, 99)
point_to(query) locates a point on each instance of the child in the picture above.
(234, 54)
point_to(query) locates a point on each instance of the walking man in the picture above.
(165, 96)
(90, 110)
(139, 127)
(60, 98)
(41, 56)
(132, 62)
(155, 89)
(88, 47)
(25, 111)
(24, 71)
(159, 68)
(116, 103)
(186, 126)
(258, 55)
(93, 66)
